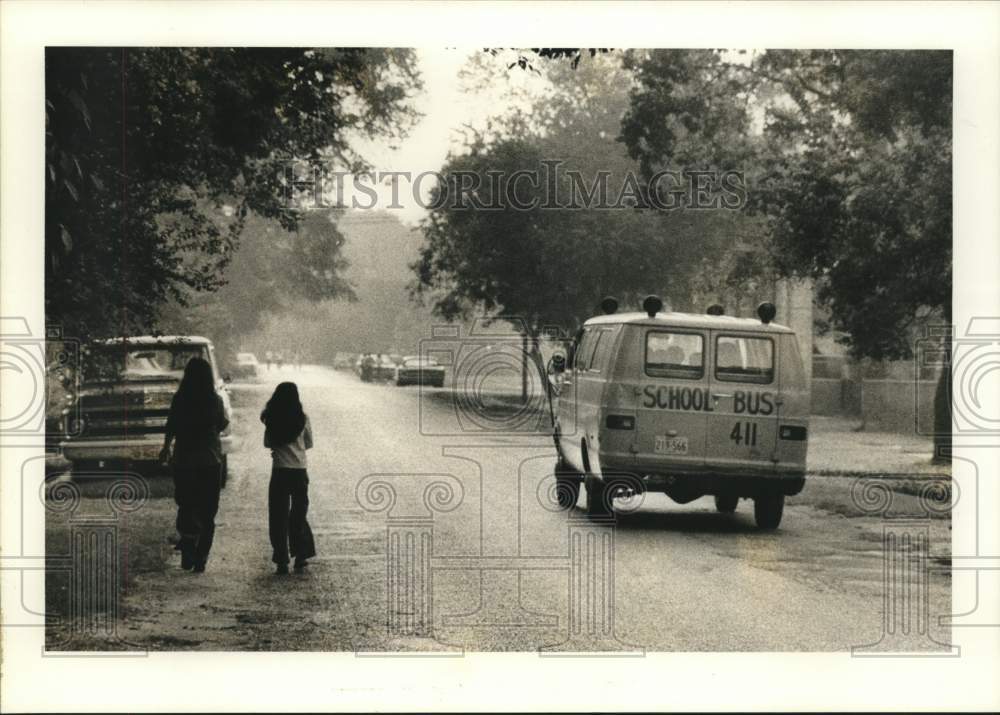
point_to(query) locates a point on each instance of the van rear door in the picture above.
(743, 424)
(672, 397)
(793, 408)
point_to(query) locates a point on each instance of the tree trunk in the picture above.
(524, 368)
(942, 415)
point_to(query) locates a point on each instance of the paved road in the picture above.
(469, 553)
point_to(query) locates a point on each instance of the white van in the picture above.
(688, 405)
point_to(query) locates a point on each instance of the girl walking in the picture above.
(195, 420)
(288, 434)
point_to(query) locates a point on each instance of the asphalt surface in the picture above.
(435, 533)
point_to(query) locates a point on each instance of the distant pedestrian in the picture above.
(288, 434)
(279, 358)
(196, 418)
(269, 357)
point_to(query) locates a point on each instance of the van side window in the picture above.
(596, 340)
(585, 351)
(744, 359)
(679, 355)
(573, 349)
(602, 354)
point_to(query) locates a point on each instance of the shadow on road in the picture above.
(690, 522)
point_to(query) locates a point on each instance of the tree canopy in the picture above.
(848, 159)
(550, 266)
(156, 157)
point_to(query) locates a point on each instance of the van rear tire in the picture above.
(767, 511)
(726, 503)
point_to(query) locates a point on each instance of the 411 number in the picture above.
(744, 433)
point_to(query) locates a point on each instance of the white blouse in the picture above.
(293, 454)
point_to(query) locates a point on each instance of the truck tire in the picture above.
(726, 503)
(597, 498)
(767, 510)
(567, 491)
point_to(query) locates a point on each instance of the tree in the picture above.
(852, 169)
(146, 146)
(272, 269)
(551, 266)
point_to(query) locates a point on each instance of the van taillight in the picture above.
(792, 432)
(620, 422)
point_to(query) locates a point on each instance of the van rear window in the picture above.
(743, 359)
(678, 355)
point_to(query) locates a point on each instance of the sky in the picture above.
(446, 109)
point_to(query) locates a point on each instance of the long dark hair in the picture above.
(283, 416)
(195, 398)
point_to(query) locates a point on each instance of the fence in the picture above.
(889, 396)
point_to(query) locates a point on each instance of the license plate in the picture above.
(670, 445)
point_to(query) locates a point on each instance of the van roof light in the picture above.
(766, 312)
(609, 305)
(716, 309)
(652, 305)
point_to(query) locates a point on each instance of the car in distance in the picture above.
(343, 361)
(416, 370)
(119, 414)
(246, 366)
(384, 369)
(683, 404)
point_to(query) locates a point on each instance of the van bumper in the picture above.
(744, 485)
(702, 480)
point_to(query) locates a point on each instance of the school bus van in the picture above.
(683, 404)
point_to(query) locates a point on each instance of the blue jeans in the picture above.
(196, 491)
(287, 505)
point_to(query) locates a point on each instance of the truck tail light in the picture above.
(73, 425)
(625, 422)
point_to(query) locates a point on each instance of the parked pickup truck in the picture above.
(120, 411)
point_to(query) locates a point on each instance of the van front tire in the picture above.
(767, 510)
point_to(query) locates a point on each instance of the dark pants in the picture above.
(289, 530)
(196, 491)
